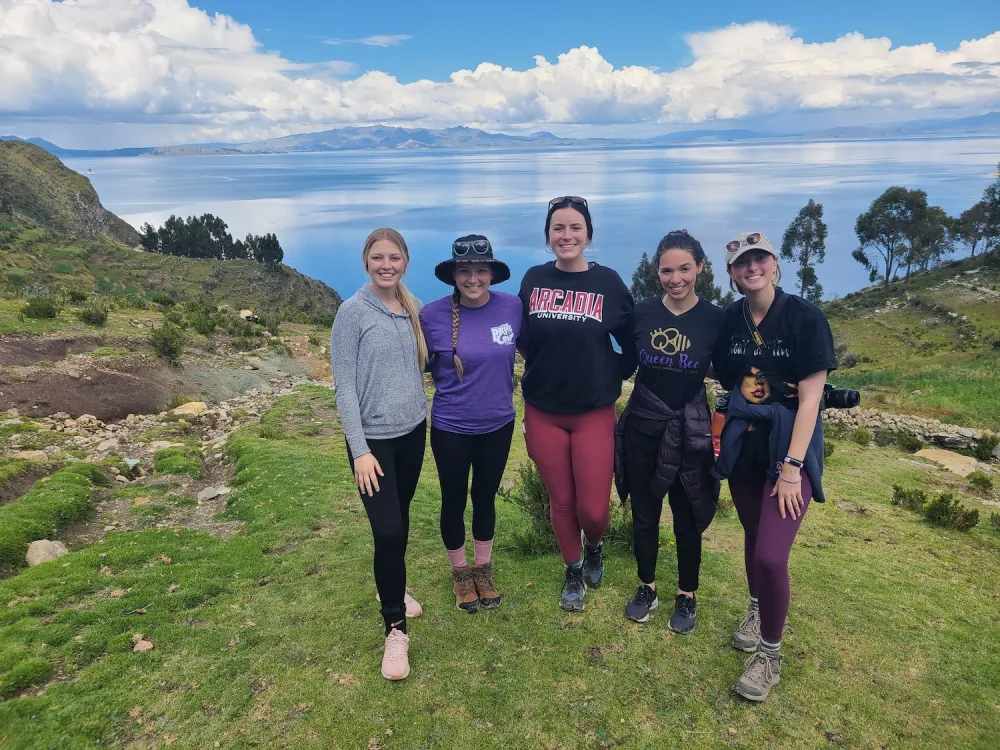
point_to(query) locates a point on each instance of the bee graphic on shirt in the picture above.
(670, 341)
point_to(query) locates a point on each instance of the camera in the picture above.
(839, 398)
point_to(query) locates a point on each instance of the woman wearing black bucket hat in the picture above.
(471, 336)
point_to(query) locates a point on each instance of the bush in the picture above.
(94, 314)
(40, 307)
(910, 499)
(77, 297)
(862, 436)
(948, 513)
(174, 317)
(985, 446)
(162, 298)
(981, 482)
(828, 448)
(902, 440)
(166, 342)
(995, 521)
(270, 322)
(133, 302)
(203, 323)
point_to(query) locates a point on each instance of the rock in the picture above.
(140, 644)
(43, 550)
(947, 440)
(209, 493)
(953, 462)
(121, 478)
(108, 445)
(250, 367)
(191, 409)
(159, 445)
(142, 501)
(13, 412)
(9, 422)
(32, 455)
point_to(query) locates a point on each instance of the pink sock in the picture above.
(457, 557)
(483, 551)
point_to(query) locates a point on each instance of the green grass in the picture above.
(273, 638)
(52, 504)
(180, 460)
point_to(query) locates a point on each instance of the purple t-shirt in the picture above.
(483, 401)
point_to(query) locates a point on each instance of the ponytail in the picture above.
(410, 305)
(459, 367)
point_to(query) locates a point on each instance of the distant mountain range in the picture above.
(386, 138)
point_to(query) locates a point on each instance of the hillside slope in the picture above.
(928, 346)
(41, 188)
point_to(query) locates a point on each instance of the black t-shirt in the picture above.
(570, 366)
(797, 343)
(673, 352)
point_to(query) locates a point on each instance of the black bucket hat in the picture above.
(473, 248)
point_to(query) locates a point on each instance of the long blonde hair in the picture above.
(402, 293)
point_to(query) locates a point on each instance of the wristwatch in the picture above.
(793, 461)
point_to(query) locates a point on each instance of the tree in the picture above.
(646, 283)
(885, 232)
(149, 239)
(6, 207)
(268, 251)
(972, 226)
(934, 238)
(991, 197)
(805, 243)
(238, 251)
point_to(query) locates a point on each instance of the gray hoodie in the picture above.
(379, 386)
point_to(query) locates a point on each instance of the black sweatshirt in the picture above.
(570, 365)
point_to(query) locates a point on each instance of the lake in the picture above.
(322, 206)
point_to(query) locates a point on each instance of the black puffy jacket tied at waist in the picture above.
(685, 450)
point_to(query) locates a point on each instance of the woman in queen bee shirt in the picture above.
(572, 378)
(471, 335)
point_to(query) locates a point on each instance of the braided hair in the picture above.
(455, 297)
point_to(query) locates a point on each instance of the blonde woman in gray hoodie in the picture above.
(378, 354)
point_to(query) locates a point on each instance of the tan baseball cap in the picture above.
(744, 243)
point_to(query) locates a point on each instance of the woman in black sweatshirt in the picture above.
(572, 378)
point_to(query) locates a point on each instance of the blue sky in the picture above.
(104, 73)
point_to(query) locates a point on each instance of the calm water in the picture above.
(322, 206)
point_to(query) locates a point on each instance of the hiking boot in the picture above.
(762, 672)
(413, 608)
(396, 657)
(747, 635)
(685, 609)
(466, 598)
(642, 604)
(593, 565)
(574, 590)
(482, 577)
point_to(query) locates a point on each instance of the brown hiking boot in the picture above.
(466, 598)
(482, 576)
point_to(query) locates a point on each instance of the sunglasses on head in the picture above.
(751, 239)
(464, 247)
(573, 199)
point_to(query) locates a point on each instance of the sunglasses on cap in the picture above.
(464, 247)
(572, 199)
(751, 239)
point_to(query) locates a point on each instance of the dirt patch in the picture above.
(17, 486)
(28, 351)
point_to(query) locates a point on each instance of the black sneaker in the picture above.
(593, 565)
(642, 604)
(682, 620)
(574, 590)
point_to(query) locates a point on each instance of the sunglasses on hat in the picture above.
(464, 247)
(751, 239)
(573, 199)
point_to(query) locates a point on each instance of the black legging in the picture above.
(486, 455)
(641, 444)
(389, 514)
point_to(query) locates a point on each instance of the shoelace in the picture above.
(485, 576)
(758, 668)
(465, 583)
(750, 624)
(395, 647)
(685, 605)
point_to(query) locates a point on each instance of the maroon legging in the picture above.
(767, 543)
(575, 457)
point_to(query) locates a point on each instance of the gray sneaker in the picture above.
(762, 672)
(747, 635)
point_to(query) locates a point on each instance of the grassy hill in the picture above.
(928, 346)
(45, 191)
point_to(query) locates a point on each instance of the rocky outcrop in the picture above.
(929, 431)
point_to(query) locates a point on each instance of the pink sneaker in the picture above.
(413, 608)
(396, 658)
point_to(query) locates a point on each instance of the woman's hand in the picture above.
(788, 488)
(366, 473)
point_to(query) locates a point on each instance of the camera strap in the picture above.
(775, 309)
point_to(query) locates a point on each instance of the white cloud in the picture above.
(375, 40)
(165, 62)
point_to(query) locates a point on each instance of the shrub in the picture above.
(162, 298)
(314, 340)
(985, 446)
(948, 513)
(828, 448)
(174, 317)
(40, 307)
(77, 297)
(95, 314)
(981, 482)
(910, 499)
(133, 302)
(862, 436)
(202, 322)
(995, 521)
(903, 440)
(270, 322)
(166, 342)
